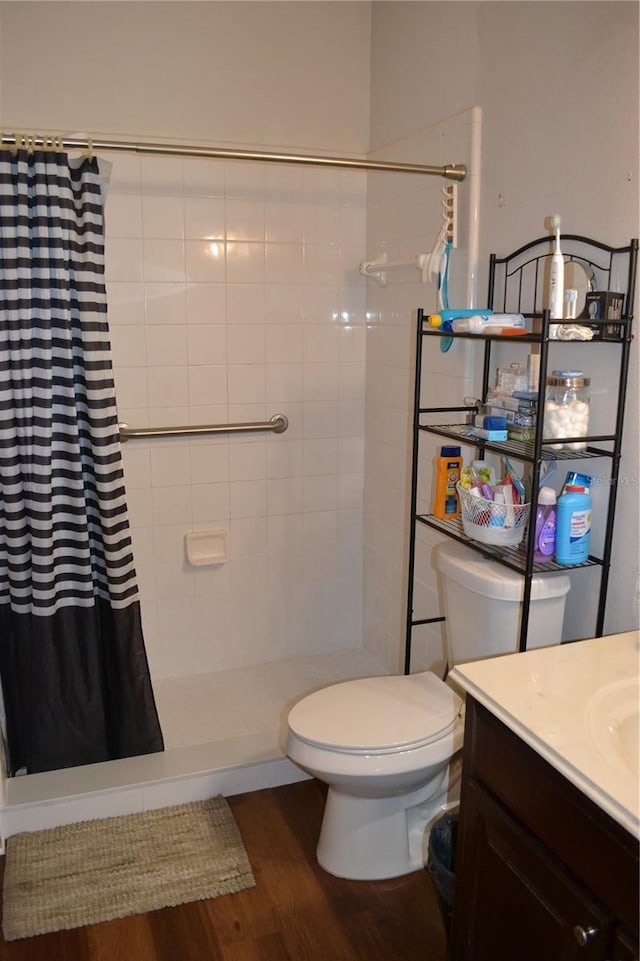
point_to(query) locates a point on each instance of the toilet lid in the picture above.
(377, 714)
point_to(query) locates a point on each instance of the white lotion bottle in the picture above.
(556, 279)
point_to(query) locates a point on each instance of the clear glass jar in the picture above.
(566, 408)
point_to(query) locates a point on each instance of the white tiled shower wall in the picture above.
(234, 293)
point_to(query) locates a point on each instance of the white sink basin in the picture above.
(613, 720)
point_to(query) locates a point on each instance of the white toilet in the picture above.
(384, 744)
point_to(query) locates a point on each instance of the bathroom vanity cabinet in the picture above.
(516, 284)
(542, 872)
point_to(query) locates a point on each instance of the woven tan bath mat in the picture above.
(94, 871)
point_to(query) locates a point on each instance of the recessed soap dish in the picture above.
(206, 547)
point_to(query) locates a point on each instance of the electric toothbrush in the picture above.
(556, 279)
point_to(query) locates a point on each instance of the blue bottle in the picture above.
(573, 530)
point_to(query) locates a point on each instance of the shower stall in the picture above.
(235, 294)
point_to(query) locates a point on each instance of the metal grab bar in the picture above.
(276, 425)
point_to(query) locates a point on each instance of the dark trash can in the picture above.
(442, 858)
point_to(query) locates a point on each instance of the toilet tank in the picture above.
(482, 605)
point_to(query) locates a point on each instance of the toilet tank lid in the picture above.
(377, 713)
(483, 576)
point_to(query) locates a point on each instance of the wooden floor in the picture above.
(296, 912)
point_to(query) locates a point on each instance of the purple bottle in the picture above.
(545, 535)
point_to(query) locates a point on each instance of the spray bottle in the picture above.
(556, 279)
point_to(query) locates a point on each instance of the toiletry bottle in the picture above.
(533, 369)
(573, 526)
(498, 512)
(545, 535)
(446, 504)
(556, 280)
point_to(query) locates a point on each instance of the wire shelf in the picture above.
(513, 557)
(518, 449)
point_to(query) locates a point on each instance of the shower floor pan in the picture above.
(223, 735)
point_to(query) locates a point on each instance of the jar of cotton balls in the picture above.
(566, 408)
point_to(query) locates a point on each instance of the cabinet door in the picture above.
(513, 900)
(624, 948)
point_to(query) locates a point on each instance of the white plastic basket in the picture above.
(491, 523)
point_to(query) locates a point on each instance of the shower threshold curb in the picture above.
(176, 776)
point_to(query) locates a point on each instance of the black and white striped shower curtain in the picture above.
(73, 666)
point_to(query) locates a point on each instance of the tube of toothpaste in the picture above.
(510, 514)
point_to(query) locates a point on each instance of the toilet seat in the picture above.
(379, 715)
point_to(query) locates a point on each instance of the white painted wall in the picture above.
(557, 84)
(293, 74)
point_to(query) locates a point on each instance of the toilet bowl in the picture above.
(387, 746)
(383, 745)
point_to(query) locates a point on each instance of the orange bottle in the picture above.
(446, 503)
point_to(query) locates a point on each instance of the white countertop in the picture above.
(546, 697)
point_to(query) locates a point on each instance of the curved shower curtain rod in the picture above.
(456, 172)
